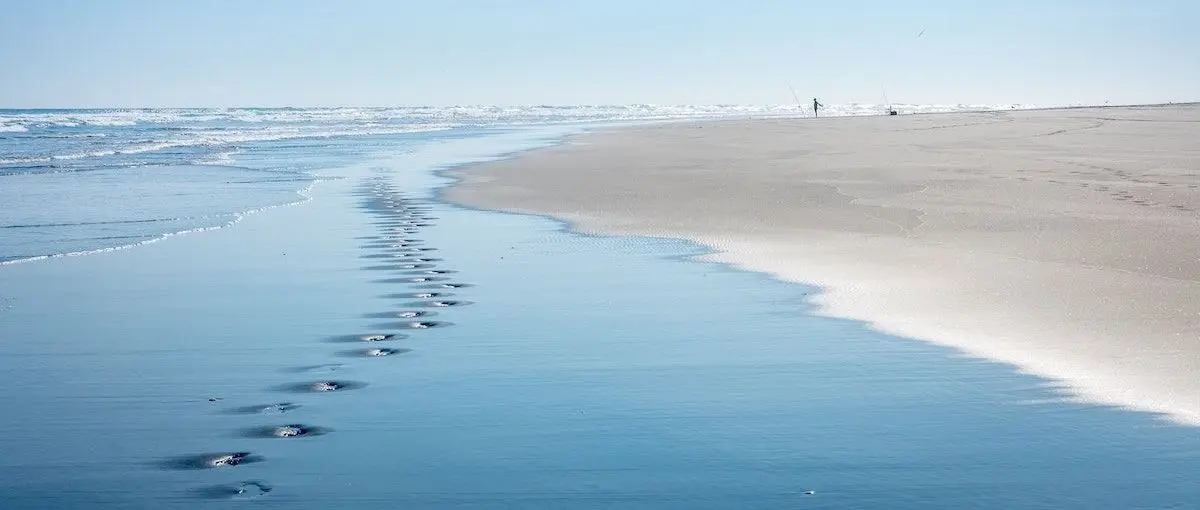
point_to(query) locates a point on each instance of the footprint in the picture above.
(438, 303)
(419, 295)
(374, 352)
(323, 386)
(369, 338)
(426, 279)
(414, 325)
(417, 266)
(249, 489)
(212, 460)
(401, 314)
(289, 431)
(268, 409)
(376, 338)
(324, 368)
(449, 286)
(387, 267)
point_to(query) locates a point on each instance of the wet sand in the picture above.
(1065, 242)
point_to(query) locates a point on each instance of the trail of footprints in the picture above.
(1123, 186)
(396, 250)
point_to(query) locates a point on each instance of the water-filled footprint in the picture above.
(401, 314)
(368, 338)
(437, 303)
(375, 352)
(268, 409)
(415, 325)
(249, 489)
(288, 431)
(212, 460)
(325, 386)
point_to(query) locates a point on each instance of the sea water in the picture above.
(575, 372)
(78, 181)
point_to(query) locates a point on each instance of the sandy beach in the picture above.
(375, 347)
(1065, 242)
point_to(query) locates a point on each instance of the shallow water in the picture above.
(578, 372)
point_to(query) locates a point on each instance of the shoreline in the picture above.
(569, 366)
(1033, 278)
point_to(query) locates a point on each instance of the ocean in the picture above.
(330, 334)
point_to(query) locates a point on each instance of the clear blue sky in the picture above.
(78, 53)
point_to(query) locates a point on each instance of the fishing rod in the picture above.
(794, 96)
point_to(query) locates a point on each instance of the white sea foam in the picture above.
(213, 138)
(456, 115)
(137, 131)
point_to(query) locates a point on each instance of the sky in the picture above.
(215, 53)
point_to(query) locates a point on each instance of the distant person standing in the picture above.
(816, 106)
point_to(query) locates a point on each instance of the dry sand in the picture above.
(1065, 242)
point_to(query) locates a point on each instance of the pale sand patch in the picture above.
(1066, 242)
